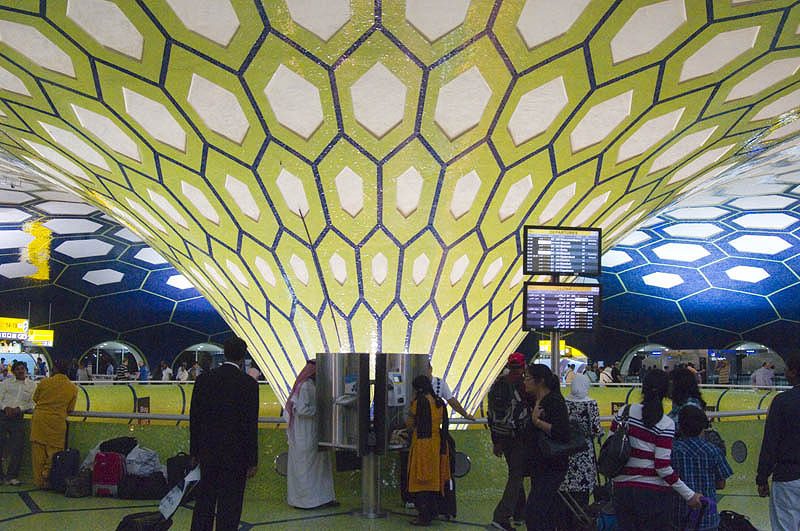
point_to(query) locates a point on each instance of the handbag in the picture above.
(550, 447)
(616, 451)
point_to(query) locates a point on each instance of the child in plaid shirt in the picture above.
(700, 464)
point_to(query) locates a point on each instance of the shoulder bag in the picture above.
(577, 442)
(616, 451)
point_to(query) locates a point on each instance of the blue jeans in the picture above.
(641, 508)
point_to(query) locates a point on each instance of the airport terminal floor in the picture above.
(25, 508)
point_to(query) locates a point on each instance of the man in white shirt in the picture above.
(762, 377)
(166, 372)
(16, 397)
(443, 391)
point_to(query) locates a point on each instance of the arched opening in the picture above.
(210, 354)
(567, 356)
(650, 355)
(103, 359)
(745, 357)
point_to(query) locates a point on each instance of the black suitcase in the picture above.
(65, 465)
(152, 487)
(147, 521)
(177, 468)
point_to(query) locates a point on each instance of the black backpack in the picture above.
(731, 521)
(616, 451)
(507, 413)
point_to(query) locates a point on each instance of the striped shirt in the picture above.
(650, 464)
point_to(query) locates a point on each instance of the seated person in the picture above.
(700, 464)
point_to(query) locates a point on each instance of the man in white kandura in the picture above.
(309, 474)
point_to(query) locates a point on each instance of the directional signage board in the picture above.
(13, 328)
(40, 338)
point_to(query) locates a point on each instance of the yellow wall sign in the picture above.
(42, 338)
(12, 328)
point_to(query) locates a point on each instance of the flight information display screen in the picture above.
(558, 306)
(561, 251)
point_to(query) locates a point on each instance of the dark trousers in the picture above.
(427, 503)
(542, 507)
(12, 443)
(220, 491)
(512, 504)
(639, 508)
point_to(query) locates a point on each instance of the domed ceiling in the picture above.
(340, 175)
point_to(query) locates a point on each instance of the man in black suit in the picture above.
(223, 427)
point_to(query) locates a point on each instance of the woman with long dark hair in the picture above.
(684, 391)
(549, 419)
(642, 497)
(428, 459)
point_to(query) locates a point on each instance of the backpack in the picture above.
(507, 413)
(79, 485)
(65, 465)
(616, 451)
(731, 521)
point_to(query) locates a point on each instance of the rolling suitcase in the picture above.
(109, 468)
(161, 520)
(65, 465)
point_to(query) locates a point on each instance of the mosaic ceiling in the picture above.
(68, 267)
(340, 175)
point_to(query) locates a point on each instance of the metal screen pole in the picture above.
(371, 486)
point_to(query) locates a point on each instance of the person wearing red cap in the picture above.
(508, 416)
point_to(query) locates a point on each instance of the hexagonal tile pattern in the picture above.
(108, 132)
(299, 268)
(150, 256)
(558, 201)
(14, 239)
(681, 149)
(649, 134)
(763, 202)
(662, 280)
(459, 268)
(515, 198)
(591, 208)
(266, 271)
(234, 270)
(648, 27)
(600, 121)
(379, 100)
(71, 142)
(541, 20)
(436, 18)
(764, 77)
(776, 221)
(634, 238)
(240, 193)
(681, 252)
(127, 234)
(420, 268)
(100, 277)
(747, 274)
(215, 20)
(614, 258)
(338, 268)
(106, 23)
(461, 102)
(350, 187)
(179, 281)
(84, 248)
(200, 202)
(464, 194)
(58, 159)
(718, 52)
(698, 213)
(12, 83)
(155, 119)
(294, 102)
(768, 245)
(779, 106)
(13, 215)
(409, 190)
(72, 226)
(491, 272)
(696, 231)
(66, 208)
(323, 18)
(10, 197)
(293, 192)
(537, 109)
(218, 108)
(17, 269)
(40, 50)
(380, 268)
(699, 163)
(166, 207)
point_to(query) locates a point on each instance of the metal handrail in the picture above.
(281, 420)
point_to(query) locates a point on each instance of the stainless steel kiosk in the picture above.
(361, 398)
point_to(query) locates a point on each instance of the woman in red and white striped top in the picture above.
(642, 489)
